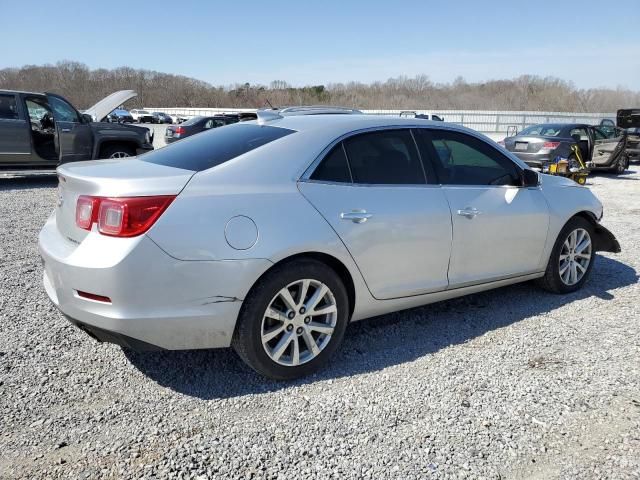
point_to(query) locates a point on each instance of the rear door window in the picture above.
(215, 147)
(387, 157)
(8, 107)
(334, 167)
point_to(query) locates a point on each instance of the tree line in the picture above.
(84, 87)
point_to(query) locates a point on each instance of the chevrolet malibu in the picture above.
(270, 236)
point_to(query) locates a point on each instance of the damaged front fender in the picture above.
(605, 241)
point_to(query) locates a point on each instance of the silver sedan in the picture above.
(270, 236)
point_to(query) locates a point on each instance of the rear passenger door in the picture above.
(15, 133)
(392, 217)
(499, 227)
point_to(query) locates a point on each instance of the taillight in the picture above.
(550, 145)
(121, 217)
(180, 130)
(86, 211)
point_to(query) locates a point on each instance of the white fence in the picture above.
(492, 123)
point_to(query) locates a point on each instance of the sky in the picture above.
(590, 43)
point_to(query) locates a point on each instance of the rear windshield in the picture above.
(192, 121)
(542, 131)
(215, 146)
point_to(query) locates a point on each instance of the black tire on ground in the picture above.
(551, 280)
(112, 151)
(621, 165)
(247, 340)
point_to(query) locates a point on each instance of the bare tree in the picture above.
(84, 87)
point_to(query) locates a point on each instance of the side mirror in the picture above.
(87, 118)
(530, 178)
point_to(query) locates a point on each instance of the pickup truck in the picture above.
(43, 130)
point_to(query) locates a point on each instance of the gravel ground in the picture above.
(514, 383)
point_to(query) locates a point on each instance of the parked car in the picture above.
(260, 235)
(423, 116)
(195, 125)
(142, 116)
(119, 116)
(539, 145)
(160, 117)
(42, 130)
(629, 119)
(633, 144)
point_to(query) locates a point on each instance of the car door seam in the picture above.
(337, 235)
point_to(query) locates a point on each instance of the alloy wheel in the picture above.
(299, 321)
(119, 155)
(575, 256)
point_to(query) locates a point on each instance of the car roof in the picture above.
(21, 92)
(563, 125)
(340, 124)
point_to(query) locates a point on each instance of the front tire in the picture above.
(571, 259)
(292, 320)
(117, 151)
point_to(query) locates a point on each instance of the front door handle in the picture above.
(65, 130)
(469, 212)
(356, 216)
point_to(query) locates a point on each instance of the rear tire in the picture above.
(621, 166)
(276, 335)
(571, 259)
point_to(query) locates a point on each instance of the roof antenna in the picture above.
(267, 102)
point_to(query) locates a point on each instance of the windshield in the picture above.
(546, 130)
(215, 146)
(143, 112)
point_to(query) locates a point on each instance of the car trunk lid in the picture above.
(111, 178)
(519, 144)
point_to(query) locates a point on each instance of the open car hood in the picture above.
(108, 104)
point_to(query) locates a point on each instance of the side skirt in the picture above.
(382, 307)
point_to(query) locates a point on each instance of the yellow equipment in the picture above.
(577, 173)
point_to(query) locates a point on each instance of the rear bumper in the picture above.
(156, 300)
(534, 160)
(113, 337)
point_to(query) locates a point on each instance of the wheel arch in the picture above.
(604, 240)
(104, 144)
(332, 262)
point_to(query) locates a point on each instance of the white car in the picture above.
(141, 116)
(270, 236)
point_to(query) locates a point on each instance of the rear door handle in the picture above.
(356, 216)
(469, 212)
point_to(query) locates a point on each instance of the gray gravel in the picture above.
(514, 383)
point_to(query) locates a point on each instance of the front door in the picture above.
(499, 227)
(372, 189)
(74, 137)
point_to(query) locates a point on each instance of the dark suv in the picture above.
(42, 130)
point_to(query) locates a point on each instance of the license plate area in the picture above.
(521, 146)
